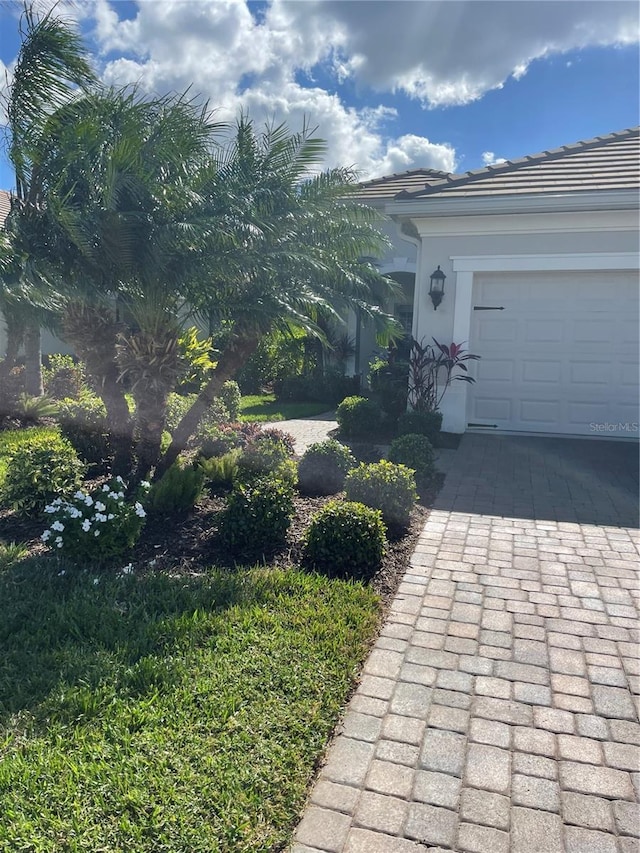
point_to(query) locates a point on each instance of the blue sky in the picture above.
(391, 85)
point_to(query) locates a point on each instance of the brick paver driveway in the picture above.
(498, 710)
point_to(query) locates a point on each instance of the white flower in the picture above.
(88, 500)
(106, 488)
(57, 525)
(59, 545)
(96, 533)
(120, 496)
(127, 570)
(61, 573)
(119, 479)
(86, 525)
(100, 507)
(80, 495)
(57, 501)
(110, 516)
(100, 516)
(139, 510)
(96, 581)
(58, 541)
(46, 535)
(50, 508)
(145, 484)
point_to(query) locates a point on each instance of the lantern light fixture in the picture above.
(436, 287)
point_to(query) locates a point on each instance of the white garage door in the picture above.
(562, 355)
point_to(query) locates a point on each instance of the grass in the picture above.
(265, 407)
(11, 439)
(168, 714)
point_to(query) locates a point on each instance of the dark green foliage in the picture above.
(257, 517)
(11, 387)
(178, 489)
(323, 467)
(421, 423)
(384, 486)
(264, 455)
(40, 469)
(83, 421)
(225, 437)
(280, 435)
(221, 471)
(63, 377)
(178, 405)
(345, 539)
(30, 409)
(330, 388)
(358, 417)
(414, 451)
(230, 397)
(389, 385)
(364, 451)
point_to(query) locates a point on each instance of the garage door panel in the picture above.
(541, 371)
(571, 357)
(589, 373)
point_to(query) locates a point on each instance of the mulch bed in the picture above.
(188, 543)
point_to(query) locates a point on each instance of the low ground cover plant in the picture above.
(178, 489)
(95, 527)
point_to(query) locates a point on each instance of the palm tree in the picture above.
(51, 64)
(296, 239)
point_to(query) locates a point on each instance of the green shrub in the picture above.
(96, 527)
(221, 471)
(83, 422)
(11, 386)
(178, 405)
(420, 423)
(40, 469)
(223, 438)
(63, 377)
(345, 539)
(32, 409)
(196, 358)
(280, 435)
(257, 517)
(323, 467)
(264, 455)
(414, 451)
(384, 486)
(389, 383)
(230, 396)
(358, 416)
(178, 489)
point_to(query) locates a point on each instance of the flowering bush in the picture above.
(100, 525)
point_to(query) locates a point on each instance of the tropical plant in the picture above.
(178, 489)
(432, 370)
(52, 63)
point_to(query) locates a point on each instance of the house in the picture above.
(541, 262)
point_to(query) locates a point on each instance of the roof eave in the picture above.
(432, 206)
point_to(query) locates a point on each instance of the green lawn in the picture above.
(265, 407)
(168, 714)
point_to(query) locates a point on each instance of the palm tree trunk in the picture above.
(231, 360)
(33, 359)
(92, 331)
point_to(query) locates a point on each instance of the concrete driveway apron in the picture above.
(498, 710)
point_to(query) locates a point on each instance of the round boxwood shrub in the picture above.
(345, 539)
(384, 486)
(323, 467)
(414, 451)
(420, 423)
(257, 516)
(41, 469)
(358, 416)
(267, 456)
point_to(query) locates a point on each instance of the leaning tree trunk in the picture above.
(92, 331)
(235, 356)
(33, 359)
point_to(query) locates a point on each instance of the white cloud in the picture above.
(490, 159)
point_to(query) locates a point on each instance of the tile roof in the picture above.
(5, 206)
(608, 162)
(390, 185)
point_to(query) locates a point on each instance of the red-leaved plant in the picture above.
(432, 369)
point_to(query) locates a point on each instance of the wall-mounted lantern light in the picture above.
(436, 287)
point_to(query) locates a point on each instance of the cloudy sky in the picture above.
(390, 84)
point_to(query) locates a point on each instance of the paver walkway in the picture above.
(498, 710)
(307, 431)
